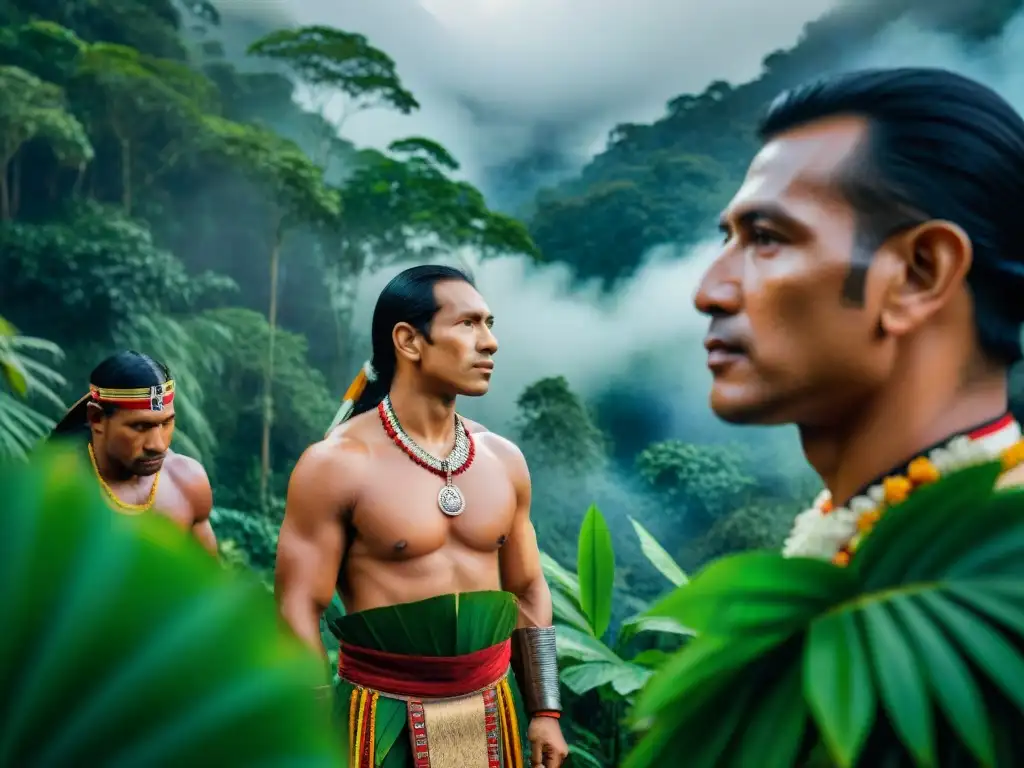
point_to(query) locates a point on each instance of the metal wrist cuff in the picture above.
(536, 666)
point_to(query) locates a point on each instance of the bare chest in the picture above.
(398, 515)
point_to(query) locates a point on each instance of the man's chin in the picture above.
(144, 469)
(745, 411)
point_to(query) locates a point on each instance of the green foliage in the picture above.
(294, 184)
(131, 97)
(582, 605)
(595, 565)
(341, 61)
(33, 109)
(555, 427)
(764, 525)
(44, 48)
(233, 400)
(23, 377)
(158, 673)
(405, 204)
(250, 538)
(94, 263)
(910, 655)
(708, 479)
(658, 557)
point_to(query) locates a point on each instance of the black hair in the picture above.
(125, 370)
(408, 298)
(938, 146)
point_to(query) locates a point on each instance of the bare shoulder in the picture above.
(329, 472)
(503, 449)
(185, 469)
(190, 477)
(344, 447)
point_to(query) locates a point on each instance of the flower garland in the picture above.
(833, 533)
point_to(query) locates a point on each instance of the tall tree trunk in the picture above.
(126, 176)
(268, 374)
(76, 189)
(15, 186)
(5, 193)
(342, 278)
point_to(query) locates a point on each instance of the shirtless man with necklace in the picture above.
(126, 422)
(870, 289)
(435, 559)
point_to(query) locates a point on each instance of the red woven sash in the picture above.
(431, 677)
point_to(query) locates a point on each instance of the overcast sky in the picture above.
(499, 78)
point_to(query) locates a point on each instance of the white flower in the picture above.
(819, 535)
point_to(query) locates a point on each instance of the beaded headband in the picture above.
(155, 398)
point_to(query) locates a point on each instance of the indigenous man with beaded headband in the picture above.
(126, 421)
(435, 558)
(871, 290)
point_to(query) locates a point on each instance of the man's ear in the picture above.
(95, 417)
(931, 265)
(407, 341)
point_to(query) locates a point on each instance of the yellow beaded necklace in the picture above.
(115, 502)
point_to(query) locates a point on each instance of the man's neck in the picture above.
(427, 418)
(896, 426)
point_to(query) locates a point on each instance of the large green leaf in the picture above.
(916, 649)
(658, 557)
(582, 646)
(774, 729)
(698, 672)
(446, 625)
(756, 590)
(644, 623)
(838, 685)
(560, 577)
(624, 678)
(126, 644)
(596, 570)
(566, 611)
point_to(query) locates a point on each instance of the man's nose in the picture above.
(157, 440)
(488, 341)
(719, 291)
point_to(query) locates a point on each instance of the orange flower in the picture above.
(921, 471)
(842, 558)
(1013, 456)
(867, 520)
(897, 489)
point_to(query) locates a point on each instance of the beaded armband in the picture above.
(535, 664)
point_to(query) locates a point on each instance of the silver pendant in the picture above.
(450, 500)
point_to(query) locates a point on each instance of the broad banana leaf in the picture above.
(124, 644)
(912, 656)
(447, 625)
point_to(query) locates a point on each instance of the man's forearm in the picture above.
(534, 655)
(305, 623)
(535, 605)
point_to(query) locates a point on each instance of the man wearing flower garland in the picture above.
(435, 559)
(126, 422)
(870, 289)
